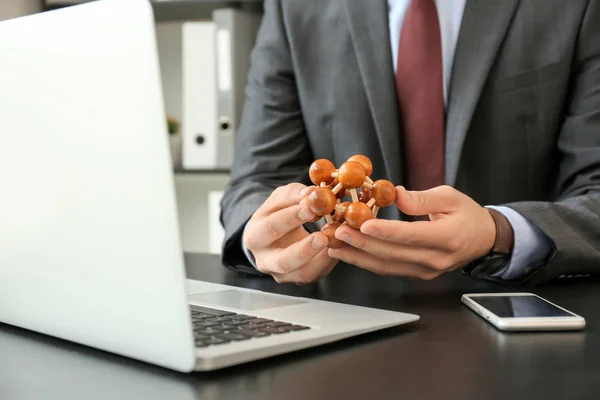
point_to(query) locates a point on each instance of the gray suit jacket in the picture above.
(523, 114)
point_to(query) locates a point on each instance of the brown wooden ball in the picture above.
(364, 161)
(322, 201)
(351, 174)
(320, 171)
(357, 214)
(341, 193)
(384, 193)
(365, 195)
(304, 202)
(329, 231)
(340, 216)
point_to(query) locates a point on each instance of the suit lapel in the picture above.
(368, 24)
(483, 28)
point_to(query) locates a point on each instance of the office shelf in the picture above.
(64, 3)
(170, 10)
(201, 171)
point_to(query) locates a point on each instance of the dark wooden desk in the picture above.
(449, 354)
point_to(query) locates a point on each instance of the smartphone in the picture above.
(522, 312)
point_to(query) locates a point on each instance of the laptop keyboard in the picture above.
(214, 327)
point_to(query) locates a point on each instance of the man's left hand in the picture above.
(459, 231)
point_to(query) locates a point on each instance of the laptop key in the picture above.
(295, 327)
(250, 333)
(225, 327)
(258, 320)
(223, 318)
(200, 315)
(276, 331)
(250, 326)
(199, 337)
(241, 317)
(205, 324)
(208, 332)
(235, 322)
(211, 311)
(216, 341)
(232, 336)
(198, 318)
(202, 344)
(214, 320)
(221, 328)
(276, 324)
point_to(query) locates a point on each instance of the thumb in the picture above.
(441, 199)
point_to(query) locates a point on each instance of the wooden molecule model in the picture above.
(333, 184)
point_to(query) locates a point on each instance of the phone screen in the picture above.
(520, 307)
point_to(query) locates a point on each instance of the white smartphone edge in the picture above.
(574, 322)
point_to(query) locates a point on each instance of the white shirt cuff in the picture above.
(531, 248)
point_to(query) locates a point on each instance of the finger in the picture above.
(263, 232)
(436, 234)
(332, 263)
(361, 259)
(283, 197)
(297, 255)
(311, 272)
(441, 199)
(394, 252)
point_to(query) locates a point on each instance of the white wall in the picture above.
(18, 8)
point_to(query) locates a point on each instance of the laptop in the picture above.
(89, 238)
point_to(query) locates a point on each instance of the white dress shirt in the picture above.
(450, 13)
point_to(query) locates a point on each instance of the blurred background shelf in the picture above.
(198, 198)
(205, 172)
(169, 10)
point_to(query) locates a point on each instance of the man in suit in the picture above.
(487, 112)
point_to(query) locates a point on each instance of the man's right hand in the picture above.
(280, 244)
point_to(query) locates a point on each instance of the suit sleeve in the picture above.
(272, 148)
(572, 222)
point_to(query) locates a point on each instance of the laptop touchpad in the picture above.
(242, 300)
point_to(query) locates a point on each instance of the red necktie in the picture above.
(419, 82)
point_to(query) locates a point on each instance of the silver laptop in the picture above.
(87, 207)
